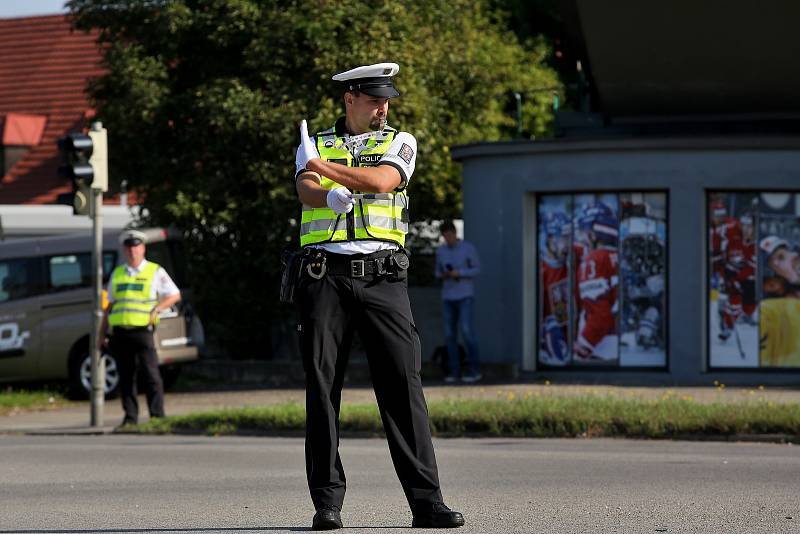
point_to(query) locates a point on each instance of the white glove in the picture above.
(340, 200)
(306, 151)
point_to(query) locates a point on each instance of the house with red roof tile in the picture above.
(43, 77)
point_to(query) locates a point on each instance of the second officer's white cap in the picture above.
(132, 237)
(374, 80)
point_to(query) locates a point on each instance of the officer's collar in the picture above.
(138, 268)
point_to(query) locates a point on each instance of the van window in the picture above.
(72, 271)
(20, 278)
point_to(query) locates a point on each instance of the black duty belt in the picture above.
(358, 267)
(378, 263)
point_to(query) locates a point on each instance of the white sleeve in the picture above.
(402, 155)
(165, 287)
(297, 167)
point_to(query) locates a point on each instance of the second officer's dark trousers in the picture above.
(331, 309)
(135, 351)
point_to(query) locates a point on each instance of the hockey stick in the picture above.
(739, 341)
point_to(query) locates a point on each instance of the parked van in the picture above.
(46, 309)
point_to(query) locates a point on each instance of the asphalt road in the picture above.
(124, 483)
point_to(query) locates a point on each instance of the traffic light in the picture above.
(86, 165)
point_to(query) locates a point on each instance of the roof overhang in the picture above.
(684, 57)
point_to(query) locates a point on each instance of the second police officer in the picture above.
(352, 180)
(138, 291)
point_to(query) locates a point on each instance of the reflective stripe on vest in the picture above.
(131, 296)
(385, 220)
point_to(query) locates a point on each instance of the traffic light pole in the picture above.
(98, 365)
(98, 370)
(86, 166)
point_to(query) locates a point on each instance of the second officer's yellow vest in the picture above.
(383, 220)
(131, 296)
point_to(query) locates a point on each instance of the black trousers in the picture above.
(377, 307)
(135, 351)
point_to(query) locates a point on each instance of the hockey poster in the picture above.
(601, 279)
(733, 306)
(554, 246)
(596, 250)
(779, 279)
(643, 264)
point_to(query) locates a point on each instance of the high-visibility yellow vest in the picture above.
(131, 295)
(370, 219)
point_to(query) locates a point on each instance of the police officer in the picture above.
(352, 180)
(137, 292)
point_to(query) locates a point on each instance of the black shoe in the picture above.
(437, 516)
(326, 518)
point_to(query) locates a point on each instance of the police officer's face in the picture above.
(786, 264)
(134, 254)
(365, 112)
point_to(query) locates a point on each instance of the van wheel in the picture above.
(81, 376)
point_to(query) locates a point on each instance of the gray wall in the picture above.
(500, 183)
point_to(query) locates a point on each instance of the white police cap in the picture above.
(132, 237)
(374, 80)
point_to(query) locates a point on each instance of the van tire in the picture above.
(79, 375)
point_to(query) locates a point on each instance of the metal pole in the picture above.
(518, 98)
(98, 365)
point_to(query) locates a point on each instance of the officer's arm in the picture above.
(380, 179)
(310, 192)
(167, 302)
(101, 334)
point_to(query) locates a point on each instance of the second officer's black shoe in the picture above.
(326, 518)
(437, 516)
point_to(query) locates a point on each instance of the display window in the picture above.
(753, 279)
(601, 292)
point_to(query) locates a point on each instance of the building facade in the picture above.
(638, 260)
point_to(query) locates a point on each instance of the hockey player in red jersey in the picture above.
(739, 276)
(597, 285)
(724, 229)
(553, 268)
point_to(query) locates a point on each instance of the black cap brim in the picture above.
(384, 92)
(380, 86)
(132, 242)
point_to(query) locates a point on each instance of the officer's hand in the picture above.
(101, 343)
(153, 316)
(307, 150)
(340, 200)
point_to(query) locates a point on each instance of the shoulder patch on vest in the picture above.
(406, 153)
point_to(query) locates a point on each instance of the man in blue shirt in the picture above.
(457, 264)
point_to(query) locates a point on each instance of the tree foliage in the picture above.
(202, 99)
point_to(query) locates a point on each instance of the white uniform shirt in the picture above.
(163, 285)
(402, 155)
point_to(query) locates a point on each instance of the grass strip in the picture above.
(580, 416)
(14, 401)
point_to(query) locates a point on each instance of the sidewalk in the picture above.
(74, 418)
